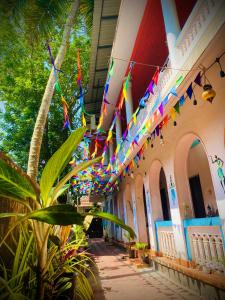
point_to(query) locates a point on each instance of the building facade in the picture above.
(170, 163)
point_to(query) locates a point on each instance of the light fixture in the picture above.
(132, 175)
(208, 93)
(161, 139)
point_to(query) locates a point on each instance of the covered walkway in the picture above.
(119, 280)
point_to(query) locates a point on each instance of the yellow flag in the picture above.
(84, 121)
(109, 135)
(64, 100)
(135, 118)
(173, 113)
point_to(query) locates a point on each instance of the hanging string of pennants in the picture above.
(98, 178)
(58, 89)
(121, 168)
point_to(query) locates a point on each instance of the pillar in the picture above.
(129, 103)
(118, 130)
(176, 216)
(172, 28)
(134, 205)
(151, 224)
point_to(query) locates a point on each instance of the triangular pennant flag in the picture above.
(109, 135)
(134, 118)
(111, 68)
(177, 107)
(142, 103)
(104, 109)
(198, 79)
(156, 76)
(189, 91)
(173, 91)
(150, 87)
(106, 101)
(173, 113)
(78, 68)
(165, 100)
(181, 101)
(57, 87)
(161, 109)
(157, 130)
(179, 80)
(84, 121)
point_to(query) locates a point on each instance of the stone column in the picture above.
(172, 28)
(133, 197)
(151, 224)
(118, 130)
(176, 217)
(129, 103)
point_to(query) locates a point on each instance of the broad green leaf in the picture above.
(17, 296)
(64, 214)
(14, 182)
(87, 221)
(112, 218)
(62, 191)
(58, 162)
(84, 165)
(9, 215)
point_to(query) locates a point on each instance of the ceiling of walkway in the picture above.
(104, 26)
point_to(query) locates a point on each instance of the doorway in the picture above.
(197, 197)
(164, 196)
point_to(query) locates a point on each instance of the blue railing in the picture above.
(209, 221)
(159, 224)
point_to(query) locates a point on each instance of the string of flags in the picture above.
(100, 177)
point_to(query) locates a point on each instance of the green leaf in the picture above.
(58, 162)
(84, 165)
(9, 215)
(62, 191)
(14, 182)
(17, 297)
(64, 214)
(114, 219)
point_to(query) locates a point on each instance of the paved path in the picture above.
(118, 280)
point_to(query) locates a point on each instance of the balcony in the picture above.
(201, 27)
(204, 242)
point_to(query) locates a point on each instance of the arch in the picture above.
(141, 211)
(159, 192)
(193, 177)
(129, 206)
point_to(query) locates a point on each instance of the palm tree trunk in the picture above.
(36, 141)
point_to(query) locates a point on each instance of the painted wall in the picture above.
(205, 121)
(198, 165)
(141, 220)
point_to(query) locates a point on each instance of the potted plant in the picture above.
(131, 250)
(142, 252)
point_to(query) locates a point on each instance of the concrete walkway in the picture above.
(118, 280)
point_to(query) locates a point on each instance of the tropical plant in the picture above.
(140, 245)
(42, 210)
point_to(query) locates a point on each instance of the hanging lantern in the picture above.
(208, 93)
